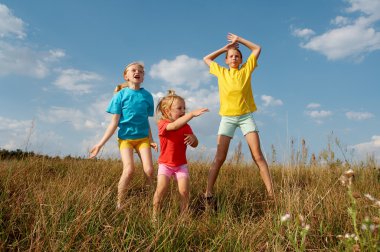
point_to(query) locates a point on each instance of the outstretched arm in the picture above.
(256, 49)
(107, 134)
(184, 119)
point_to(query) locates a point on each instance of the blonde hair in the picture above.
(165, 103)
(125, 84)
(132, 64)
(120, 87)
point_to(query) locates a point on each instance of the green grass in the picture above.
(70, 205)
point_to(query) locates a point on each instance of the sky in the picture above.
(317, 77)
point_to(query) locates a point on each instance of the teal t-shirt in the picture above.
(134, 108)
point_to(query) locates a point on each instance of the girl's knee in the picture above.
(219, 159)
(159, 195)
(184, 193)
(259, 157)
(149, 171)
(257, 154)
(127, 172)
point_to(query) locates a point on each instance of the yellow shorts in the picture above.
(136, 144)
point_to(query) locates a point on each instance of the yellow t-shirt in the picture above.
(235, 91)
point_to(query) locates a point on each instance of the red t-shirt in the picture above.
(172, 146)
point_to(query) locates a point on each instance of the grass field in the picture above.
(69, 204)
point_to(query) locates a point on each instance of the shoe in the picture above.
(210, 202)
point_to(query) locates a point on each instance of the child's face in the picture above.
(134, 74)
(177, 109)
(233, 59)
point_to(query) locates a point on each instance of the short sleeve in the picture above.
(215, 68)
(162, 127)
(251, 63)
(114, 107)
(187, 129)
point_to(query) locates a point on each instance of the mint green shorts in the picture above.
(228, 125)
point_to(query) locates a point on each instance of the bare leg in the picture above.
(163, 183)
(147, 162)
(253, 141)
(184, 193)
(220, 157)
(126, 176)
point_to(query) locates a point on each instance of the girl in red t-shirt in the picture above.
(174, 134)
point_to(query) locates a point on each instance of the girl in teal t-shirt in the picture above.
(130, 109)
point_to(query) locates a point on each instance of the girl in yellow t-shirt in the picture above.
(236, 107)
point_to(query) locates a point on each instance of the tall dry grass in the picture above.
(69, 205)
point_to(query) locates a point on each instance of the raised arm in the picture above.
(107, 134)
(210, 58)
(256, 49)
(184, 119)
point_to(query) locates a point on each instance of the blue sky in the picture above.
(318, 75)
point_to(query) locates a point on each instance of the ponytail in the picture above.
(120, 87)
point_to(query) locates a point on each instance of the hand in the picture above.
(190, 139)
(199, 112)
(154, 146)
(94, 151)
(231, 46)
(232, 38)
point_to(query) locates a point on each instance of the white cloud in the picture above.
(369, 7)
(76, 81)
(208, 98)
(208, 123)
(22, 60)
(348, 41)
(9, 24)
(340, 21)
(16, 57)
(51, 143)
(91, 120)
(319, 113)
(303, 33)
(271, 101)
(14, 134)
(11, 124)
(98, 108)
(26, 135)
(359, 116)
(368, 148)
(182, 71)
(54, 55)
(93, 117)
(313, 105)
(353, 37)
(80, 120)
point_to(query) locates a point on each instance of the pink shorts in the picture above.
(177, 172)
